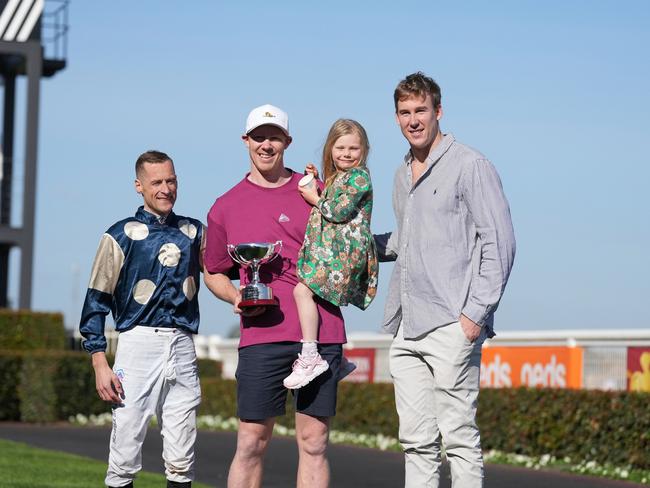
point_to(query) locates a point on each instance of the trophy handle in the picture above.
(278, 251)
(233, 254)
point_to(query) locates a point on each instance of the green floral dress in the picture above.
(338, 259)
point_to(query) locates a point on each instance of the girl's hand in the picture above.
(310, 193)
(311, 169)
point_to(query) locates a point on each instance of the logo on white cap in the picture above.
(267, 115)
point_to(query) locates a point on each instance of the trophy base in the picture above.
(260, 302)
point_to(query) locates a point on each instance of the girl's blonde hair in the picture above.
(342, 127)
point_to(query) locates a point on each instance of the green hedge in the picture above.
(74, 384)
(10, 364)
(27, 330)
(608, 427)
(366, 408)
(361, 407)
(45, 386)
(209, 368)
(218, 397)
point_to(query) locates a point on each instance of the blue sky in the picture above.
(554, 93)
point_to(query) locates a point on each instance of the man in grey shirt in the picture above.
(454, 247)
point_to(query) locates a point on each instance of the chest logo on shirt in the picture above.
(283, 218)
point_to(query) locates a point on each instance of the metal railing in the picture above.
(54, 29)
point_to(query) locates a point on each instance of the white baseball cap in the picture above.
(267, 115)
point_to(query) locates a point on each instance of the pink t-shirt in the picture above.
(251, 213)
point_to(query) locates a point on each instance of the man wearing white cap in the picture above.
(266, 206)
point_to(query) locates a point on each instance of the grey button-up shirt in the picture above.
(454, 245)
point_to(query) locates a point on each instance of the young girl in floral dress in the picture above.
(337, 261)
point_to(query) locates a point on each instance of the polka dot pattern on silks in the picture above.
(143, 290)
(189, 287)
(147, 272)
(136, 230)
(169, 254)
(187, 228)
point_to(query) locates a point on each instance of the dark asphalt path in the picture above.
(352, 467)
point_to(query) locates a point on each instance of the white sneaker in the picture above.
(305, 369)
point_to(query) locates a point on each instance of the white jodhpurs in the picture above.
(158, 370)
(436, 379)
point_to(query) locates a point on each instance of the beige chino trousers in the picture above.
(436, 379)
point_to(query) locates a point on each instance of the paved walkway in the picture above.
(352, 467)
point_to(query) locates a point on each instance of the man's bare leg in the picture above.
(312, 434)
(252, 440)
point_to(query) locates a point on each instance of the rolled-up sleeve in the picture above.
(483, 194)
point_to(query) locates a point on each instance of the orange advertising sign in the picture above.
(638, 368)
(549, 367)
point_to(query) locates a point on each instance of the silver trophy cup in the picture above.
(252, 255)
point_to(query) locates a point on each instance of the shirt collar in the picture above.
(436, 153)
(149, 218)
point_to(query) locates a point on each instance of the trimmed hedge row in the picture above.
(607, 427)
(209, 368)
(47, 386)
(26, 330)
(10, 365)
(362, 408)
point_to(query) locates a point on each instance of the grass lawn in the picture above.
(23, 466)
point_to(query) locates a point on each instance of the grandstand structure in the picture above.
(33, 44)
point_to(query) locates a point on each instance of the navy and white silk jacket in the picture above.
(146, 272)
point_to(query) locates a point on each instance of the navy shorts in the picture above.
(261, 369)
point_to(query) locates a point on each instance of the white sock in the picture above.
(309, 348)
